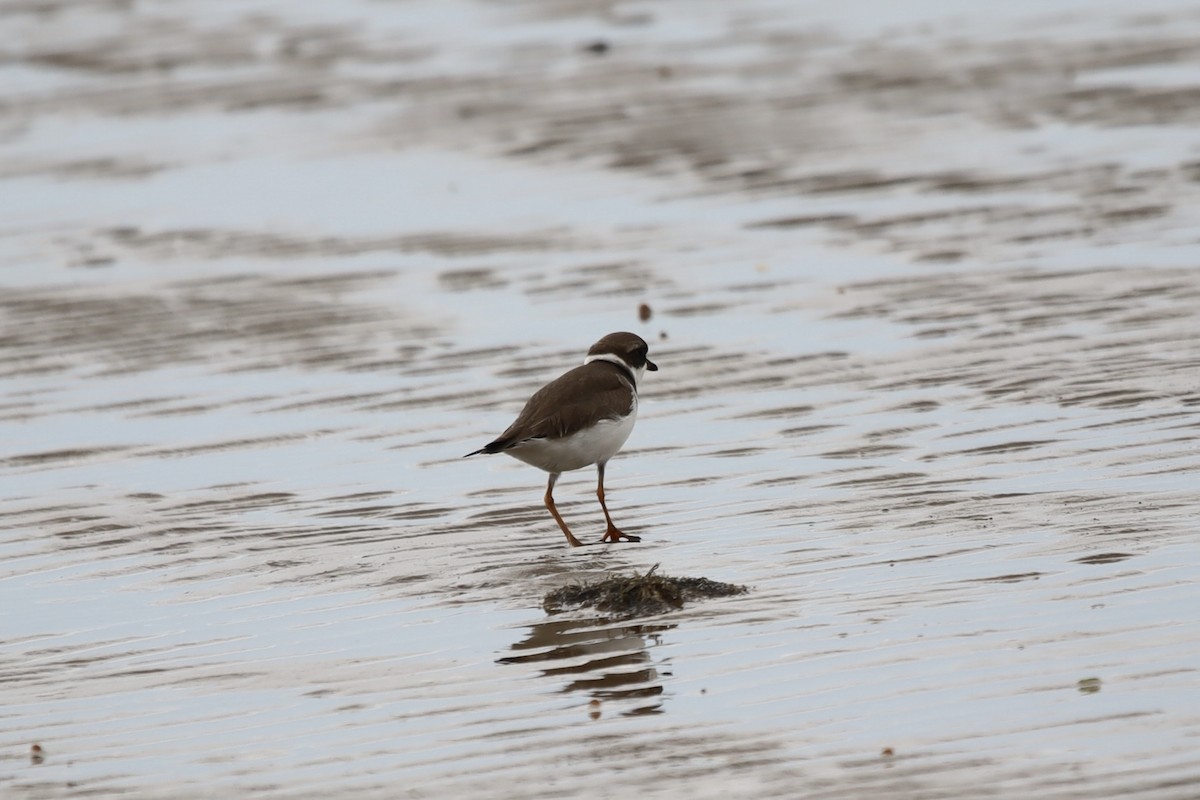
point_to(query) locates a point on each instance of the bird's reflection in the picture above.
(607, 662)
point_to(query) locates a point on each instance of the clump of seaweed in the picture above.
(636, 595)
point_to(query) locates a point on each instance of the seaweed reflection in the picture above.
(608, 662)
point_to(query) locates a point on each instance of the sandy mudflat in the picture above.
(925, 283)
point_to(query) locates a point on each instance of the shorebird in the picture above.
(582, 417)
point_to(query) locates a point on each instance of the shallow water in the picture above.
(924, 301)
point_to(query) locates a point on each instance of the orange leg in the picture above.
(554, 511)
(612, 534)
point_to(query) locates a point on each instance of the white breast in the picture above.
(589, 446)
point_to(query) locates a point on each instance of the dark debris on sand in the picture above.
(636, 595)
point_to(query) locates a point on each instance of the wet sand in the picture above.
(925, 301)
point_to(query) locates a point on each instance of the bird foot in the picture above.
(614, 535)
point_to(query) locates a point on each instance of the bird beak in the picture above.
(650, 365)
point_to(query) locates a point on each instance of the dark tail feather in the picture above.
(493, 447)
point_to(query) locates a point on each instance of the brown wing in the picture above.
(599, 390)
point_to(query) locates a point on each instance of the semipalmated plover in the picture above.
(581, 418)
